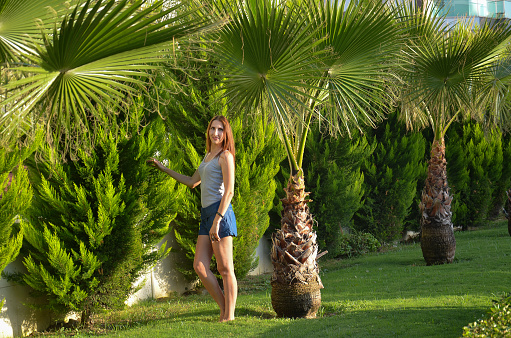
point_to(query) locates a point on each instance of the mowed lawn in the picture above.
(385, 294)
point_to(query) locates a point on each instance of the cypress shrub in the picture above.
(458, 173)
(333, 176)
(412, 220)
(494, 158)
(479, 201)
(15, 197)
(501, 184)
(391, 176)
(258, 155)
(186, 115)
(506, 169)
(275, 212)
(96, 218)
(474, 170)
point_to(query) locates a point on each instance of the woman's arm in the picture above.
(226, 161)
(191, 182)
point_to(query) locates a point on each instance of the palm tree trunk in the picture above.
(437, 234)
(295, 282)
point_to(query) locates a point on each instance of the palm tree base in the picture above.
(296, 300)
(437, 234)
(438, 245)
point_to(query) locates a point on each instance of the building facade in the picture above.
(477, 9)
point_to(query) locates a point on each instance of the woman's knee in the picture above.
(200, 268)
(225, 270)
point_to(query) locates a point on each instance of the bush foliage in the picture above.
(333, 176)
(475, 172)
(15, 197)
(500, 186)
(497, 322)
(391, 178)
(356, 244)
(95, 219)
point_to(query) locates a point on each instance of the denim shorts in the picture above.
(227, 223)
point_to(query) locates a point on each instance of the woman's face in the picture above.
(216, 132)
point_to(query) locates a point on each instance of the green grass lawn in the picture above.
(391, 293)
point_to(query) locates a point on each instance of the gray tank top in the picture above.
(212, 182)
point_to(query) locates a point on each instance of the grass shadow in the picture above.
(248, 312)
(438, 322)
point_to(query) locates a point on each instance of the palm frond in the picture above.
(494, 97)
(362, 38)
(20, 23)
(96, 56)
(417, 22)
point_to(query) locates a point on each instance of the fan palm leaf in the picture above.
(98, 56)
(21, 22)
(267, 54)
(495, 97)
(362, 40)
(268, 59)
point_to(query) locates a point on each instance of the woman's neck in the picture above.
(215, 149)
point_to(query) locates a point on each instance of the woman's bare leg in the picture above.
(203, 254)
(225, 265)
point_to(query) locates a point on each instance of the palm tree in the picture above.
(98, 55)
(449, 74)
(302, 60)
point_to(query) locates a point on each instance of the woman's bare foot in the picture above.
(226, 320)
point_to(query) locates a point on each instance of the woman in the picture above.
(218, 223)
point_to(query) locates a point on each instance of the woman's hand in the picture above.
(154, 163)
(213, 232)
(191, 182)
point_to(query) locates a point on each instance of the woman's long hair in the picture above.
(228, 140)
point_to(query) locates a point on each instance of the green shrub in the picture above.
(275, 212)
(391, 174)
(497, 322)
(413, 219)
(503, 184)
(494, 157)
(475, 167)
(480, 187)
(333, 176)
(355, 244)
(458, 173)
(95, 219)
(258, 155)
(15, 198)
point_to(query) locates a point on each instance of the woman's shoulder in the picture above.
(226, 155)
